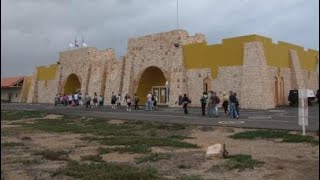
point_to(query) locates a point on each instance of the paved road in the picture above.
(279, 118)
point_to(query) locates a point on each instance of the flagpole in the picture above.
(178, 14)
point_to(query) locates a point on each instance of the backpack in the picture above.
(152, 98)
(217, 100)
(114, 98)
(203, 99)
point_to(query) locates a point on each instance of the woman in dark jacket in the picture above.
(185, 102)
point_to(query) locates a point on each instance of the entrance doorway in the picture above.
(72, 84)
(162, 93)
(153, 80)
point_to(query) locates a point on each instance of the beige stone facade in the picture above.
(99, 71)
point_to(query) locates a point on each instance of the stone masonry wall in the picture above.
(255, 89)
(33, 92)
(90, 65)
(296, 72)
(113, 80)
(158, 50)
(228, 79)
(47, 91)
(313, 82)
(195, 79)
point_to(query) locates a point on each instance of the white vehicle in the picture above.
(311, 95)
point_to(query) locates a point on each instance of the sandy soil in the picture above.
(282, 160)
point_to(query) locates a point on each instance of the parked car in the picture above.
(294, 97)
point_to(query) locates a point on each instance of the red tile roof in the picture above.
(7, 82)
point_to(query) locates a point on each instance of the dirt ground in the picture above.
(292, 161)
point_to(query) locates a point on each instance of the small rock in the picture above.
(216, 151)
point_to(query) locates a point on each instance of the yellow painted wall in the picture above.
(230, 53)
(46, 73)
(151, 77)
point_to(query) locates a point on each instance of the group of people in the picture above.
(116, 101)
(78, 99)
(230, 104)
(209, 101)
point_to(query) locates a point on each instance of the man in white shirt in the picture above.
(76, 99)
(149, 101)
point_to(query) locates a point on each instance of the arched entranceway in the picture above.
(276, 102)
(281, 91)
(153, 80)
(207, 86)
(72, 84)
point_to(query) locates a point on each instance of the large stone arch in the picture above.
(72, 83)
(147, 78)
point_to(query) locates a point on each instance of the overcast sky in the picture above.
(33, 32)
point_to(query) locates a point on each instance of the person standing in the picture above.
(118, 101)
(80, 99)
(136, 102)
(237, 104)
(95, 99)
(56, 100)
(128, 103)
(70, 99)
(233, 110)
(212, 104)
(88, 101)
(149, 102)
(203, 101)
(155, 100)
(100, 100)
(113, 100)
(76, 99)
(185, 102)
(225, 103)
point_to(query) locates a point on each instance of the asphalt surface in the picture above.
(285, 118)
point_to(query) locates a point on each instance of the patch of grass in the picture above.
(89, 138)
(263, 134)
(180, 137)
(296, 138)
(18, 115)
(169, 127)
(150, 141)
(76, 125)
(95, 158)
(14, 131)
(135, 148)
(191, 177)
(153, 157)
(54, 155)
(241, 162)
(30, 162)
(106, 171)
(271, 134)
(11, 144)
(216, 168)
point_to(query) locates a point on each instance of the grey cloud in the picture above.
(33, 32)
